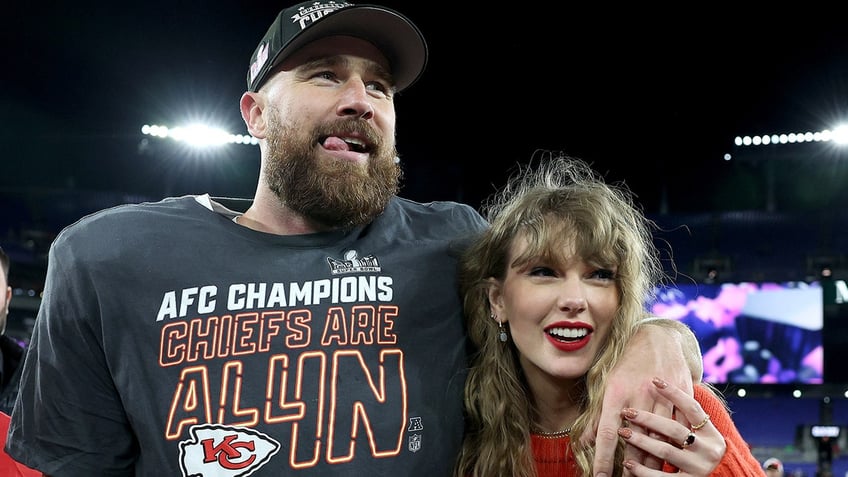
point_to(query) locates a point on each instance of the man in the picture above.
(11, 350)
(317, 333)
(11, 356)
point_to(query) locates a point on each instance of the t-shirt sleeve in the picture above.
(68, 415)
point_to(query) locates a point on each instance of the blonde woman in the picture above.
(553, 292)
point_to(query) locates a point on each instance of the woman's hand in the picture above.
(690, 443)
(661, 347)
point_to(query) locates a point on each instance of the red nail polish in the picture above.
(660, 383)
(625, 432)
(629, 413)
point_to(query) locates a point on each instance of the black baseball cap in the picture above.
(394, 34)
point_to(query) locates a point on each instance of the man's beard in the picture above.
(332, 193)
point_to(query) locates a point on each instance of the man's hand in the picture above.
(661, 348)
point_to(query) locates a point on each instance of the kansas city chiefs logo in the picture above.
(222, 451)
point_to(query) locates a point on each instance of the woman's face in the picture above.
(559, 312)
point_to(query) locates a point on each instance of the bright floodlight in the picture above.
(838, 136)
(198, 135)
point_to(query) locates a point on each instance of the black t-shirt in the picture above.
(172, 341)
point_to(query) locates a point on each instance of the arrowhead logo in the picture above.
(215, 450)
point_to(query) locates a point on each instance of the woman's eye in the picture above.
(603, 274)
(542, 272)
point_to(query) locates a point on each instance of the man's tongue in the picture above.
(335, 144)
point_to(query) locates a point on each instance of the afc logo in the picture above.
(414, 441)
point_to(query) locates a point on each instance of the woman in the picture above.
(553, 291)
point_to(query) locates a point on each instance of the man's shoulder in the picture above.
(434, 222)
(168, 203)
(132, 212)
(447, 212)
(112, 224)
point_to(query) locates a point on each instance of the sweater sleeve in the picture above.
(738, 461)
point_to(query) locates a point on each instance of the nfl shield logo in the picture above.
(415, 442)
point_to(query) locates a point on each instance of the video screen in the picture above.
(752, 332)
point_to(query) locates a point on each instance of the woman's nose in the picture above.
(573, 304)
(571, 297)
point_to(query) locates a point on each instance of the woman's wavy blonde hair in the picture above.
(559, 205)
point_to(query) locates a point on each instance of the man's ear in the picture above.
(252, 106)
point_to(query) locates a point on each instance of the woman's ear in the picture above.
(496, 300)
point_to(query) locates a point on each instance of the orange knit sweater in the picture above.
(554, 459)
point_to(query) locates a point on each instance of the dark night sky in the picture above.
(650, 96)
(653, 98)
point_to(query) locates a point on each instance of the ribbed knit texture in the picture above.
(738, 461)
(554, 458)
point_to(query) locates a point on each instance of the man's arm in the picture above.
(688, 344)
(661, 348)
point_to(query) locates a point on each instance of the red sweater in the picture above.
(554, 459)
(8, 466)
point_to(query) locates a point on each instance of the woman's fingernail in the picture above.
(629, 464)
(625, 432)
(660, 383)
(629, 413)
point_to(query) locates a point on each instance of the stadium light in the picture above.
(199, 136)
(838, 135)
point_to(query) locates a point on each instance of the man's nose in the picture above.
(355, 100)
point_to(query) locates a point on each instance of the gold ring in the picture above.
(701, 424)
(690, 439)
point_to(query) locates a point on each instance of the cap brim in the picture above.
(398, 38)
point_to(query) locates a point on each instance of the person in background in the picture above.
(11, 350)
(317, 330)
(553, 292)
(11, 356)
(10, 467)
(773, 467)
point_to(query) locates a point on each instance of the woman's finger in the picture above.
(696, 449)
(688, 410)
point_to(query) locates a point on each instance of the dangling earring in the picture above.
(502, 335)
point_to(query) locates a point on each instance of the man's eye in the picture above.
(378, 86)
(326, 75)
